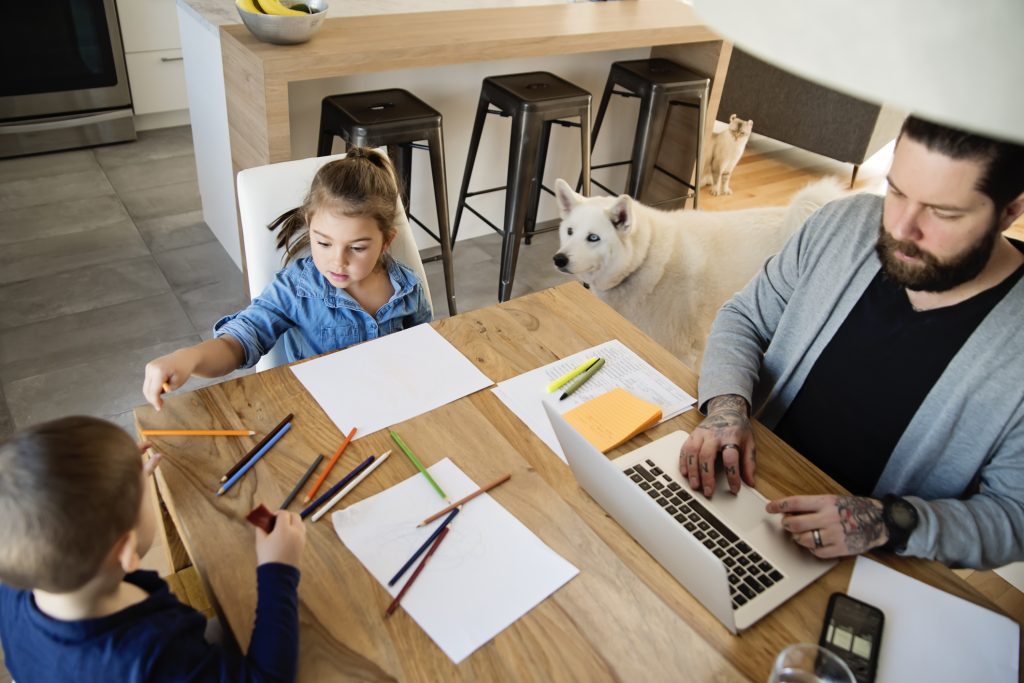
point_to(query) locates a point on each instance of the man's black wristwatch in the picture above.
(900, 519)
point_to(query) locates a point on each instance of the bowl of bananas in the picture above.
(282, 22)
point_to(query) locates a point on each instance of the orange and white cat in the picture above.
(727, 147)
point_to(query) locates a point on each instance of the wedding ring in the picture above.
(731, 445)
(816, 535)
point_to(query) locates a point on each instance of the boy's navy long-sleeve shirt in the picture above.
(158, 639)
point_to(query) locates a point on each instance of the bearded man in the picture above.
(884, 343)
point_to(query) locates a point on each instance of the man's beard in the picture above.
(932, 275)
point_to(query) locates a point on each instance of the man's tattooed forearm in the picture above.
(861, 519)
(728, 403)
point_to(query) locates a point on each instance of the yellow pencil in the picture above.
(197, 432)
(571, 374)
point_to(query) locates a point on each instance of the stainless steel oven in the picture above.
(63, 83)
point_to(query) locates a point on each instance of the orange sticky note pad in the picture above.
(613, 418)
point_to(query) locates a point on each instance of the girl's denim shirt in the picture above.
(316, 317)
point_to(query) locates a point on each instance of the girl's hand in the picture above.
(285, 543)
(170, 371)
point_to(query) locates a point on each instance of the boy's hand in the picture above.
(283, 544)
(170, 371)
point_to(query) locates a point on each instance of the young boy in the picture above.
(73, 604)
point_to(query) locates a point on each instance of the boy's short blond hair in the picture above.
(68, 490)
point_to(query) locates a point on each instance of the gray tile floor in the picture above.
(106, 263)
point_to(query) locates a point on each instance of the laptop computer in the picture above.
(727, 552)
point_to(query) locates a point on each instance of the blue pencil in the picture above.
(308, 510)
(426, 544)
(252, 461)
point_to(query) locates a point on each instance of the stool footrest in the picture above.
(493, 189)
(625, 93)
(674, 177)
(682, 103)
(603, 187)
(498, 112)
(611, 164)
(482, 217)
(427, 230)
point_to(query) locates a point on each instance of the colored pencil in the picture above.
(197, 432)
(325, 508)
(330, 465)
(483, 489)
(255, 449)
(166, 387)
(248, 466)
(426, 544)
(308, 510)
(415, 461)
(398, 598)
(302, 481)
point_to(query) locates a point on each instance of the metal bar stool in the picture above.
(535, 101)
(396, 119)
(660, 84)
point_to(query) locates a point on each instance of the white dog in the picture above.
(669, 272)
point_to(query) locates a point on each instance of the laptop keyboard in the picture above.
(749, 573)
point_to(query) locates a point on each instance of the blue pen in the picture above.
(426, 544)
(337, 487)
(259, 454)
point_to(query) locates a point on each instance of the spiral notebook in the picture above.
(613, 418)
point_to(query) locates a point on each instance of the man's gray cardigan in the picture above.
(961, 459)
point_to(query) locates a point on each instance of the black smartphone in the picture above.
(853, 631)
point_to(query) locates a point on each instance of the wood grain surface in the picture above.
(622, 618)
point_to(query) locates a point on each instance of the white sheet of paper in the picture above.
(390, 379)
(489, 571)
(622, 368)
(930, 635)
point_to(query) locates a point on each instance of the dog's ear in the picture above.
(620, 213)
(732, 117)
(566, 197)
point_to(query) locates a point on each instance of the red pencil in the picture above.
(394, 603)
(327, 470)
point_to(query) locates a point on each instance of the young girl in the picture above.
(347, 291)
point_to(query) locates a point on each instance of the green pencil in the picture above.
(415, 461)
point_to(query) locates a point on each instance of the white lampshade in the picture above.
(957, 62)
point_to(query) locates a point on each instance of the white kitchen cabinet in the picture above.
(152, 47)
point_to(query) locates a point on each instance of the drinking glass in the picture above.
(807, 663)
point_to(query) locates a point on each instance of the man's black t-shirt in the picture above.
(873, 376)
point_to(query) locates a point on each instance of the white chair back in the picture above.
(264, 193)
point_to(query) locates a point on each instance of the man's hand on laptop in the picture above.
(725, 431)
(832, 526)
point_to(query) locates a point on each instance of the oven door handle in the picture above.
(61, 122)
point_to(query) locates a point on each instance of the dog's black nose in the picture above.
(561, 260)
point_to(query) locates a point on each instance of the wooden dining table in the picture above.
(622, 618)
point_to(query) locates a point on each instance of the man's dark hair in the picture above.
(1002, 181)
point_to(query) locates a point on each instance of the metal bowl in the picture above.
(286, 30)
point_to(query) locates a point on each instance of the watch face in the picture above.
(903, 514)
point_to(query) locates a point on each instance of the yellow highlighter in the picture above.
(571, 374)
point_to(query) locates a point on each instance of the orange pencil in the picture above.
(327, 470)
(483, 489)
(197, 432)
